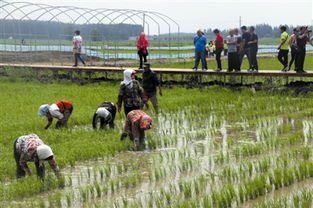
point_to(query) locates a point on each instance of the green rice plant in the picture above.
(306, 153)
(69, 198)
(42, 203)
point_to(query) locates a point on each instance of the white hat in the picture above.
(43, 110)
(44, 151)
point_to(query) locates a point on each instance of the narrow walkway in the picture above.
(267, 73)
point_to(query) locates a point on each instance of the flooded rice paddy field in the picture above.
(249, 151)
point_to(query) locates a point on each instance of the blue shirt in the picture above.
(199, 43)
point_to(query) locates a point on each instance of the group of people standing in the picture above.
(30, 148)
(297, 43)
(246, 44)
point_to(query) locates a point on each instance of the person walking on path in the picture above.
(136, 123)
(77, 48)
(106, 113)
(219, 43)
(293, 46)
(130, 93)
(283, 49)
(61, 110)
(142, 49)
(30, 148)
(244, 46)
(253, 49)
(150, 83)
(233, 59)
(199, 42)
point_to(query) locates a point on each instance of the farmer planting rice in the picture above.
(150, 82)
(136, 123)
(130, 93)
(30, 148)
(106, 113)
(61, 110)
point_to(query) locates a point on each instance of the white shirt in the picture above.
(102, 112)
(55, 111)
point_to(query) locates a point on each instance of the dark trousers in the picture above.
(142, 58)
(233, 61)
(225, 52)
(253, 59)
(246, 52)
(20, 171)
(66, 115)
(293, 56)
(218, 53)
(153, 98)
(78, 57)
(283, 57)
(300, 57)
(128, 109)
(200, 55)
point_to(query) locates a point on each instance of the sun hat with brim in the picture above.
(44, 151)
(43, 110)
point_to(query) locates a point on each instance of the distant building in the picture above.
(132, 38)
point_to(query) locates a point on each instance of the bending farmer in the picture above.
(30, 148)
(61, 110)
(136, 123)
(106, 113)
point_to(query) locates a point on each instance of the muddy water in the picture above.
(139, 176)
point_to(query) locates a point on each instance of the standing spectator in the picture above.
(200, 41)
(211, 47)
(106, 113)
(30, 148)
(233, 59)
(244, 46)
(293, 46)
(77, 48)
(130, 93)
(283, 48)
(219, 42)
(302, 39)
(238, 36)
(136, 123)
(225, 48)
(253, 48)
(61, 110)
(142, 48)
(207, 50)
(150, 83)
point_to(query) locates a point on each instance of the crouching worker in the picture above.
(136, 123)
(60, 110)
(106, 113)
(30, 148)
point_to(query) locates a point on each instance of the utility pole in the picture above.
(143, 22)
(239, 21)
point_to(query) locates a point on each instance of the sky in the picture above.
(201, 14)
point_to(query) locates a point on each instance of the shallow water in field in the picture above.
(189, 158)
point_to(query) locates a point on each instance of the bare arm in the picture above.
(282, 43)
(50, 119)
(53, 164)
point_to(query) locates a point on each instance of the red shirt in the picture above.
(219, 41)
(64, 104)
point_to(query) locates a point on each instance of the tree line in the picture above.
(29, 29)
